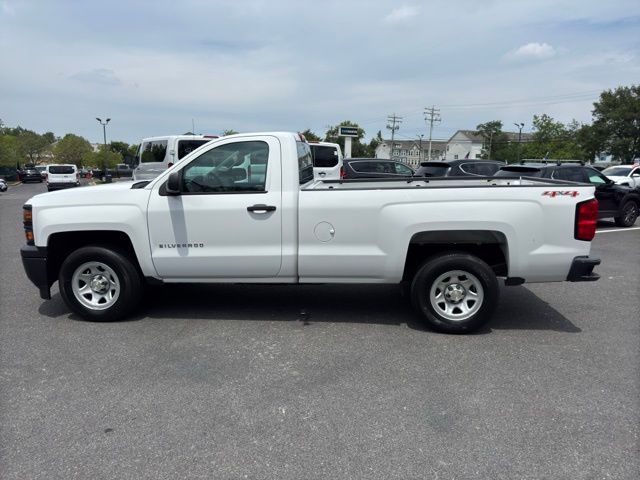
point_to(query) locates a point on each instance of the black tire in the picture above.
(628, 214)
(122, 269)
(473, 279)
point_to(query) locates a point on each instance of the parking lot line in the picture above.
(618, 230)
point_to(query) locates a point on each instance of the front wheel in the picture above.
(455, 292)
(628, 214)
(100, 284)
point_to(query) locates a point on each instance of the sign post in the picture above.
(348, 133)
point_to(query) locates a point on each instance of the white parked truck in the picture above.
(246, 209)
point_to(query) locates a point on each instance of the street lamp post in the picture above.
(520, 127)
(420, 155)
(104, 135)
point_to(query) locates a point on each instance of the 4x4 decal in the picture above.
(560, 193)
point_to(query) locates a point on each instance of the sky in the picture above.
(159, 67)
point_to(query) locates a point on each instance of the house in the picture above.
(470, 144)
(464, 144)
(411, 152)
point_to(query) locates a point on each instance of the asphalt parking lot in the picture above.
(283, 382)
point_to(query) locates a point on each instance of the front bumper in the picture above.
(582, 270)
(34, 260)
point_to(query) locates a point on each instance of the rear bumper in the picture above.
(34, 261)
(60, 186)
(31, 178)
(582, 270)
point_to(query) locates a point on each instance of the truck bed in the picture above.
(434, 182)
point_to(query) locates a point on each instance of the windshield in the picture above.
(61, 169)
(617, 171)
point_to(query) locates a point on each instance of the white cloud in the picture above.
(532, 51)
(402, 14)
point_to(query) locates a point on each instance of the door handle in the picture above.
(261, 208)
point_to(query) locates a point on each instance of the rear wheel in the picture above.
(100, 284)
(455, 293)
(628, 214)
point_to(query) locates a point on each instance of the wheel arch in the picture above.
(491, 246)
(61, 244)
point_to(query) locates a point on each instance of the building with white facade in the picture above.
(411, 152)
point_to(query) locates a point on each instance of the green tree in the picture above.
(553, 139)
(494, 139)
(49, 137)
(9, 151)
(71, 149)
(126, 151)
(616, 120)
(120, 147)
(370, 149)
(104, 156)
(591, 141)
(310, 136)
(32, 145)
(229, 132)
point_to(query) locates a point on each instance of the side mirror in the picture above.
(173, 184)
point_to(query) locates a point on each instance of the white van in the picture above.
(327, 160)
(156, 154)
(62, 176)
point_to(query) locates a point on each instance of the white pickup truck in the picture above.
(246, 209)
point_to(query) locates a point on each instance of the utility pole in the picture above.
(490, 140)
(431, 115)
(395, 125)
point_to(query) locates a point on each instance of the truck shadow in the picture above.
(519, 308)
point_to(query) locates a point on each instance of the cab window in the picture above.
(231, 168)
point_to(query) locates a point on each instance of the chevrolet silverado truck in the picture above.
(246, 209)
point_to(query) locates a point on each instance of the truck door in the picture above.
(227, 219)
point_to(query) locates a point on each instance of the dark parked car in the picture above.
(459, 168)
(617, 201)
(375, 168)
(29, 174)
